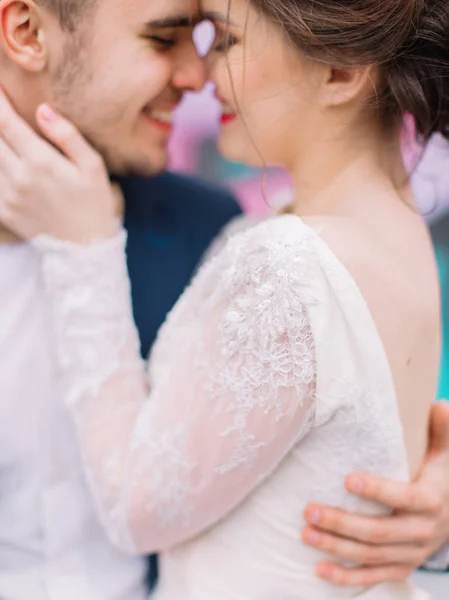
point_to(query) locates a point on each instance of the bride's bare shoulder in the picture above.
(346, 238)
(395, 258)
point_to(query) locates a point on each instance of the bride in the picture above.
(305, 345)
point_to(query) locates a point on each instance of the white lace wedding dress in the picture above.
(267, 385)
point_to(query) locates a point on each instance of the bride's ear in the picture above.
(344, 85)
(22, 36)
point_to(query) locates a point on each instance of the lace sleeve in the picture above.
(439, 561)
(239, 224)
(230, 390)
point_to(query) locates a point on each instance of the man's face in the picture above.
(122, 73)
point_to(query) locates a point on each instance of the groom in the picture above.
(117, 71)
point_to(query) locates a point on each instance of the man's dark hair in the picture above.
(69, 12)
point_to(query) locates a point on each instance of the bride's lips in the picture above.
(224, 119)
(228, 114)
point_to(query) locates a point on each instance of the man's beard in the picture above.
(121, 166)
(73, 73)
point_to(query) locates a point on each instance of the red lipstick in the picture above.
(225, 119)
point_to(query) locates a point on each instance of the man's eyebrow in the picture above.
(217, 17)
(173, 21)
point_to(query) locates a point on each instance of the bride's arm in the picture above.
(232, 382)
(232, 387)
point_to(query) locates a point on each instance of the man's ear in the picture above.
(343, 85)
(22, 36)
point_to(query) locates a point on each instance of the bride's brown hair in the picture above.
(407, 39)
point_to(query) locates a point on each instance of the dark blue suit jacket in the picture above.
(171, 220)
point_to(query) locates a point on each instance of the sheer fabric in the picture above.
(267, 385)
(230, 390)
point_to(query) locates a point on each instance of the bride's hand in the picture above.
(65, 194)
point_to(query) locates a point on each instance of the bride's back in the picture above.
(388, 251)
(254, 552)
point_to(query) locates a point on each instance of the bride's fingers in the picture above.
(19, 136)
(32, 149)
(67, 138)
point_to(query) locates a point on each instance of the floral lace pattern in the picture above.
(232, 381)
(265, 377)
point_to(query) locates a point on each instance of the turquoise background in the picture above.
(443, 266)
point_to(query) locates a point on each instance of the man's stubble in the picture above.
(74, 84)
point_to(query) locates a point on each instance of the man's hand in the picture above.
(388, 548)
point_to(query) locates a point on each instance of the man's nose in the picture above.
(190, 71)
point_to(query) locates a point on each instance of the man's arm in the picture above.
(390, 548)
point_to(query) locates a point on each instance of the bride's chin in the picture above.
(228, 147)
(233, 149)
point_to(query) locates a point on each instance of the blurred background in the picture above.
(193, 150)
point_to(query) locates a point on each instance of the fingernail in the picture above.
(355, 485)
(312, 537)
(324, 570)
(314, 516)
(47, 113)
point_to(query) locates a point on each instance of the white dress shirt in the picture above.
(52, 546)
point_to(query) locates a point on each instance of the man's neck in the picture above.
(7, 237)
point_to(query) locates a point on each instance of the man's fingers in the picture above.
(362, 576)
(6, 203)
(409, 497)
(366, 554)
(399, 529)
(10, 163)
(67, 138)
(439, 428)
